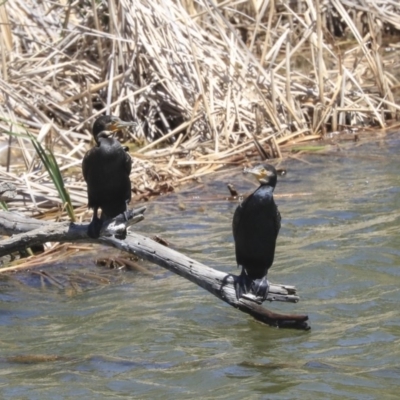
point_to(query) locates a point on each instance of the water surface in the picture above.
(160, 336)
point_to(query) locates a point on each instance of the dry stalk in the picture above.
(190, 74)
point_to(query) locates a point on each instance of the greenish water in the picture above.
(157, 337)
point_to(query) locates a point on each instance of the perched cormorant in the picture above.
(106, 168)
(256, 225)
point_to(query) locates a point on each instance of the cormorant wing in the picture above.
(238, 215)
(85, 164)
(128, 162)
(278, 219)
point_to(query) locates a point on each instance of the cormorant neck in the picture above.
(271, 181)
(101, 136)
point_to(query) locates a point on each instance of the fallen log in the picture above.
(28, 232)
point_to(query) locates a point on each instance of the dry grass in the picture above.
(193, 74)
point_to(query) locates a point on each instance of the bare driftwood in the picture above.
(28, 232)
(7, 191)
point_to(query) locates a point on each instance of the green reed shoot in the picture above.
(52, 168)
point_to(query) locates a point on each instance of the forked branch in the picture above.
(29, 232)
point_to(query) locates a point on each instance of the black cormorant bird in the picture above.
(106, 168)
(256, 225)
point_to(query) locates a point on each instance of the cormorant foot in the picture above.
(95, 228)
(260, 287)
(242, 285)
(116, 226)
(121, 235)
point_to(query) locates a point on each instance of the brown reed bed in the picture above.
(201, 78)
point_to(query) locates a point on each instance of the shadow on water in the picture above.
(141, 336)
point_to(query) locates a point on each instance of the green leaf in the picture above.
(50, 163)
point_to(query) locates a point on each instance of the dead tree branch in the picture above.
(28, 232)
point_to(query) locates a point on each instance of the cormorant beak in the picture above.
(118, 124)
(259, 172)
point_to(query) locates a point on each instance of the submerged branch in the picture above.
(32, 232)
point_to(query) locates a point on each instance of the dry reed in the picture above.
(191, 73)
